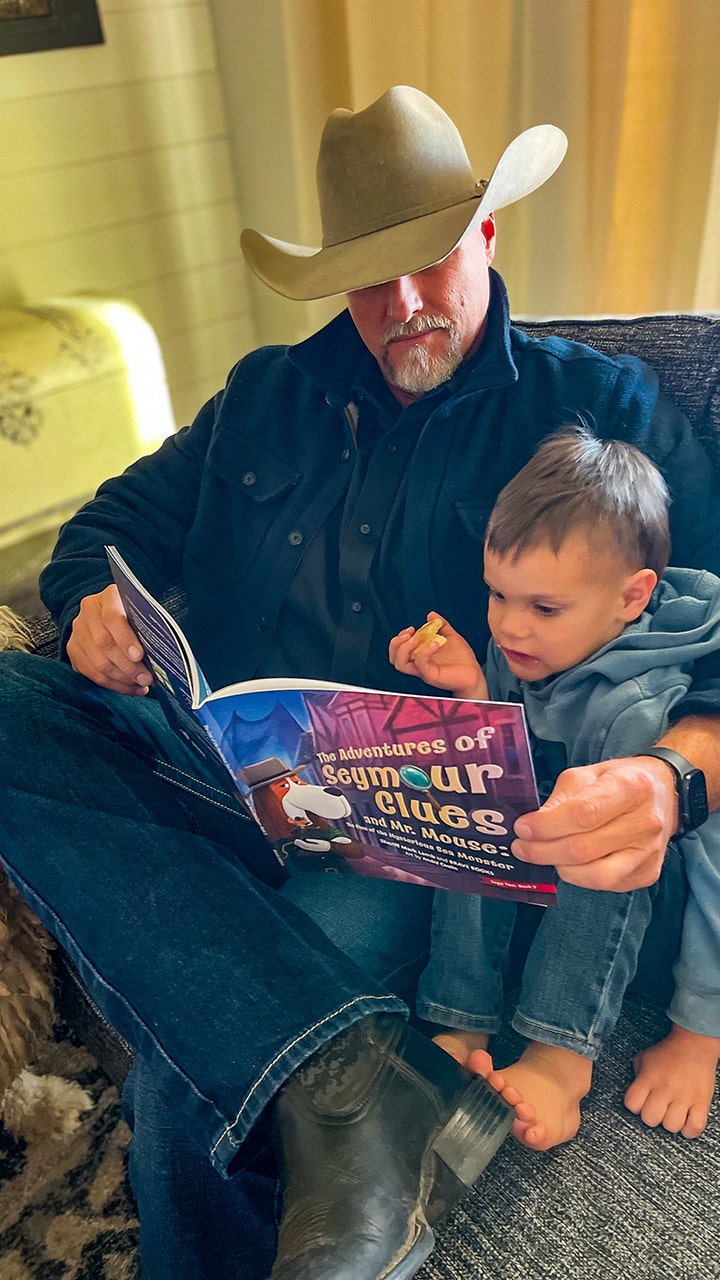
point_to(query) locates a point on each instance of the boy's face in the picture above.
(548, 612)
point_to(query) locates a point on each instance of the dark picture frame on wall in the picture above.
(28, 26)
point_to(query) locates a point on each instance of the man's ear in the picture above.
(487, 226)
(636, 593)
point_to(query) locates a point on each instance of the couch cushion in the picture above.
(684, 351)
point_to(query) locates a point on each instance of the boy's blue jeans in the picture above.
(137, 857)
(582, 958)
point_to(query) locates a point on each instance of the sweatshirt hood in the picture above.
(632, 682)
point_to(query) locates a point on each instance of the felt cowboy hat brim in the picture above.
(397, 194)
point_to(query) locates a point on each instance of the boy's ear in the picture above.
(637, 592)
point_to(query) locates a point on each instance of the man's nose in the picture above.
(402, 299)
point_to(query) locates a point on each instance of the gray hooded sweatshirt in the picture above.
(614, 704)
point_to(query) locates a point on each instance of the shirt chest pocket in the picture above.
(473, 517)
(243, 499)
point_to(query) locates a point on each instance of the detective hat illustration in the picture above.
(266, 771)
(397, 193)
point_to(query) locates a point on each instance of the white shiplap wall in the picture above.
(116, 177)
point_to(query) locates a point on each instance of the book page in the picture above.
(167, 652)
(418, 789)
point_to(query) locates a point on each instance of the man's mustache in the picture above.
(418, 324)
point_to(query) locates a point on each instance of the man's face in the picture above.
(421, 327)
(548, 612)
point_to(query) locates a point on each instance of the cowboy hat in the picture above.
(397, 194)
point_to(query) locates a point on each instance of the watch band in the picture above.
(690, 786)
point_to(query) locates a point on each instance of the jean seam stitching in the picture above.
(461, 1013)
(173, 768)
(278, 1058)
(433, 1009)
(169, 765)
(208, 799)
(594, 1037)
(529, 1028)
(199, 795)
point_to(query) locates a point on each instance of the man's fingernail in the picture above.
(516, 850)
(522, 830)
(135, 652)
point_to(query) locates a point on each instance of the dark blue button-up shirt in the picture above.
(309, 516)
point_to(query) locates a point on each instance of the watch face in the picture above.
(696, 806)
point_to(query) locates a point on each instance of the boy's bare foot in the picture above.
(674, 1082)
(460, 1044)
(545, 1086)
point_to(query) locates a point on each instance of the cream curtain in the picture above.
(631, 222)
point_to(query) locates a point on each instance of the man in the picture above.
(331, 491)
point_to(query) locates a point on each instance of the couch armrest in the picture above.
(43, 635)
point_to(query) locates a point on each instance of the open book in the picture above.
(341, 778)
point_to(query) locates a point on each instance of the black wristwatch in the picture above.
(690, 787)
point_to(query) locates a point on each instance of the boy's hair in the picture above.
(575, 481)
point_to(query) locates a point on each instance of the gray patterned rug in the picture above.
(66, 1210)
(619, 1203)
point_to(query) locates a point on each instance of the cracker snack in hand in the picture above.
(427, 633)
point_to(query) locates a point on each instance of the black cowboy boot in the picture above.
(378, 1134)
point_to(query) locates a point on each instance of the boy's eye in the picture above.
(495, 595)
(548, 610)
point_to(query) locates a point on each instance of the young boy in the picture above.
(599, 649)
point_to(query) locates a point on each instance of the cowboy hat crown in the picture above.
(397, 194)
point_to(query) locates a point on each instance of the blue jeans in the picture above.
(137, 857)
(580, 958)
(580, 963)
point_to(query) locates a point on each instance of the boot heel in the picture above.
(473, 1134)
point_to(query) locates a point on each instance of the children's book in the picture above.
(340, 778)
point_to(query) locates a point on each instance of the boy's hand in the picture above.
(104, 647)
(451, 665)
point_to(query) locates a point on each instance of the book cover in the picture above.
(340, 778)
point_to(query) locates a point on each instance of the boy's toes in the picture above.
(534, 1136)
(525, 1113)
(636, 1096)
(695, 1123)
(480, 1062)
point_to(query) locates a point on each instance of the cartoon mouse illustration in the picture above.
(286, 805)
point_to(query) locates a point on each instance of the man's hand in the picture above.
(104, 647)
(605, 826)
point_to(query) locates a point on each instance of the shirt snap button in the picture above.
(295, 538)
(249, 478)
(356, 606)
